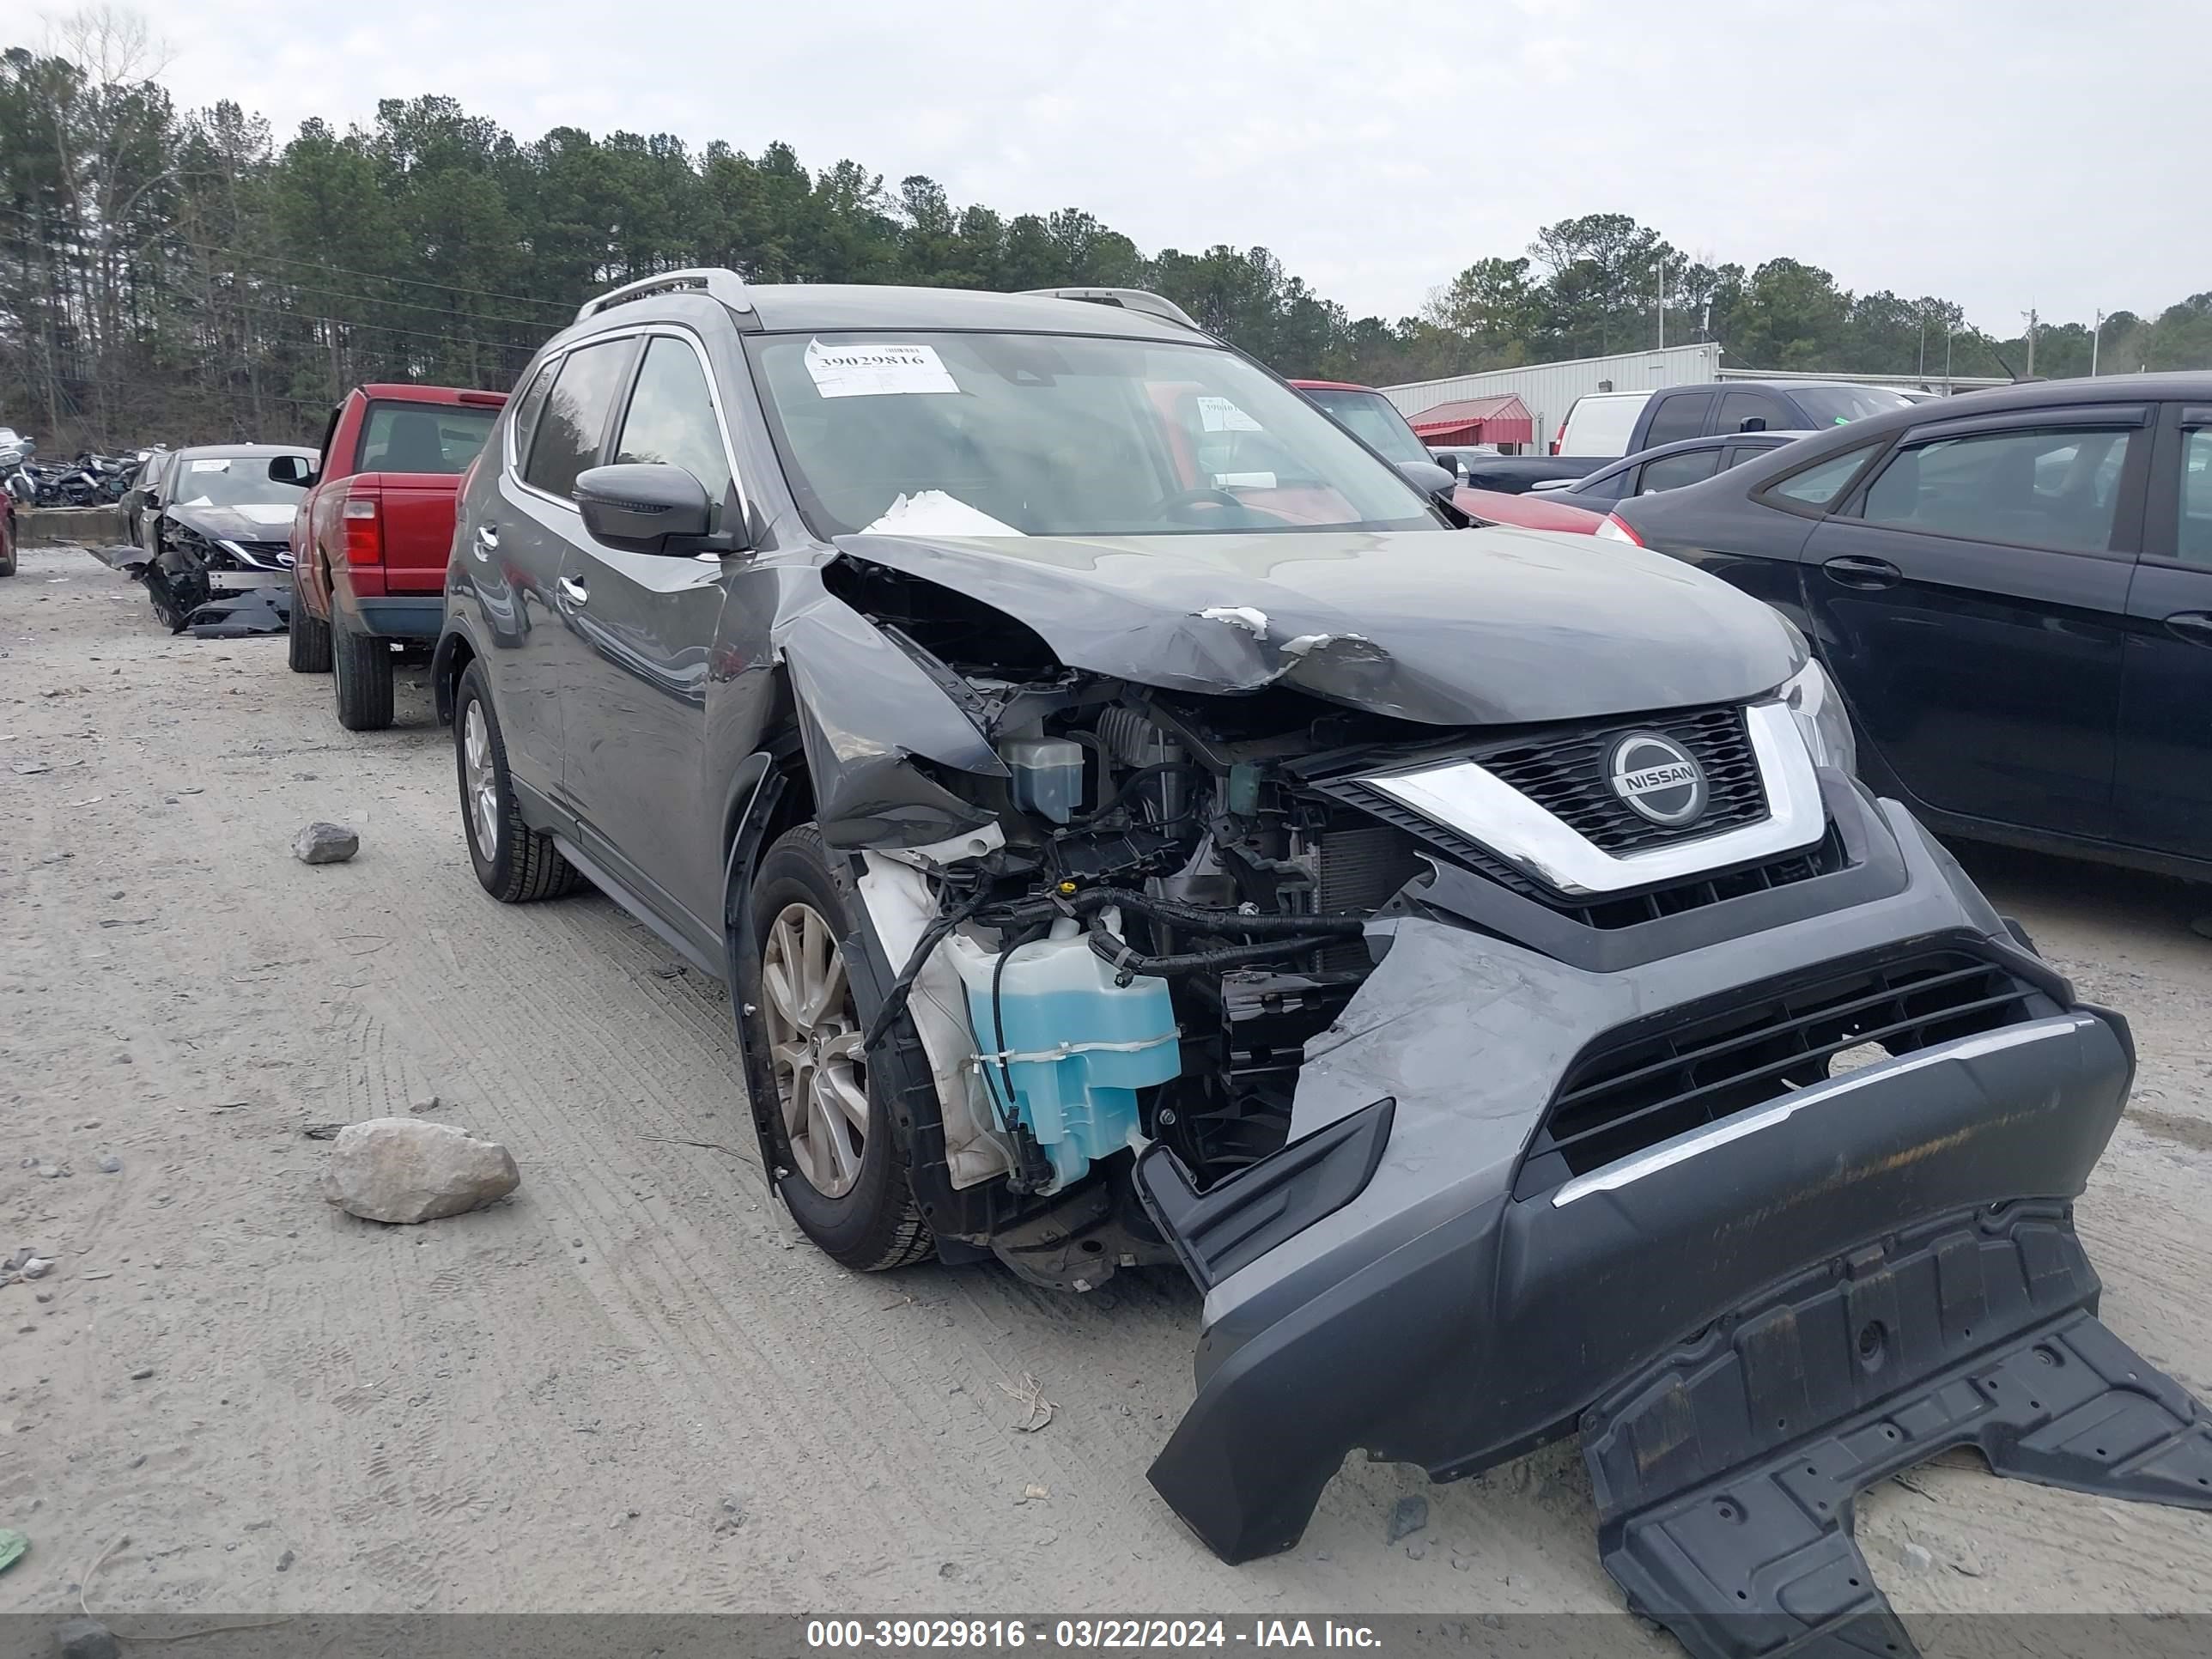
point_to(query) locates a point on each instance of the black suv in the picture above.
(1139, 824)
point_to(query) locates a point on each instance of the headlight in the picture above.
(1821, 717)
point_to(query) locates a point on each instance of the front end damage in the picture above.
(217, 576)
(1481, 1108)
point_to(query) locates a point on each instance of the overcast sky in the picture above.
(2002, 155)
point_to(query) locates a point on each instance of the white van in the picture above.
(1599, 423)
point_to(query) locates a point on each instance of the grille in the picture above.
(1565, 773)
(1604, 910)
(1655, 1080)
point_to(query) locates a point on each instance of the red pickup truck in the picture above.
(371, 541)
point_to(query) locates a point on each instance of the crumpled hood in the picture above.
(256, 521)
(1449, 628)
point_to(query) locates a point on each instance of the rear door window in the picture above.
(670, 419)
(1673, 471)
(1605, 487)
(2049, 486)
(1678, 414)
(528, 405)
(2193, 544)
(1816, 488)
(567, 441)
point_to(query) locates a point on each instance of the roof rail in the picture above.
(714, 282)
(1129, 299)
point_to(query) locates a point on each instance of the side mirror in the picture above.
(1429, 478)
(1752, 424)
(292, 470)
(648, 507)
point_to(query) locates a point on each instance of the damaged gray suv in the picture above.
(1141, 825)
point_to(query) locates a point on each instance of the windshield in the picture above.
(1374, 420)
(1839, 405)
(233, 481)
(1050, 434)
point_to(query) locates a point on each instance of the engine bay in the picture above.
(1166, 908)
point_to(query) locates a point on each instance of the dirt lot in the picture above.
(632, 1386)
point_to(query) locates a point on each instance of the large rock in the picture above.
(402, 1169)
(326, 843)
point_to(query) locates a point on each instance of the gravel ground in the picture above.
(633, 1386)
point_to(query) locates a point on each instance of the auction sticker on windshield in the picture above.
(1220, 415)
(219, 464)
(876, 370)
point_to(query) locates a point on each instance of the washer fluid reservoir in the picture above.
(1076, 1046)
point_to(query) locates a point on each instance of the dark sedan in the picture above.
(2012, 589)
(1664, 466)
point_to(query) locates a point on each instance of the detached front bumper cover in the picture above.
(1751, 1325)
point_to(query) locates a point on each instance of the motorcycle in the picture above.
(15, 461)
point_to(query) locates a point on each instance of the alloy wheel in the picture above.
(482, 788)
(814, 1043)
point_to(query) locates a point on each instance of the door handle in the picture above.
(574, 592)
(2193, 626)
(487, 540)
(1856, 570)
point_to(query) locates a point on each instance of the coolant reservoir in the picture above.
(1076, 1046)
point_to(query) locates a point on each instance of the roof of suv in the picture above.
(796, 307)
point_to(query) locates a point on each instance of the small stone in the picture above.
(86, 1638)
(142, 1374)
(284, 1562)
(139, 1462)
(259, 1526)
(46, 1295)
(38, 1267)
(1919, 1557)
(109, 1164)
(1417, 1551)
(950, 1570)
(427, 1103)
(49, 1172)
(168, 800)
(1409, 1517)
(324, 843)
(190, 789)
(399, 1170)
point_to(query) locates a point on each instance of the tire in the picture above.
(363, 666)
(308, 649)
(7, 553)
(522, 865)
(175, 596)
(871, 1221)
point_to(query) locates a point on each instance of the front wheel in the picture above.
(845, 1176)
(176, 594)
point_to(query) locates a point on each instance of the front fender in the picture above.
(866, 711)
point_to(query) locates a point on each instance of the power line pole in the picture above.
(2029, 374)
(2096, 339)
